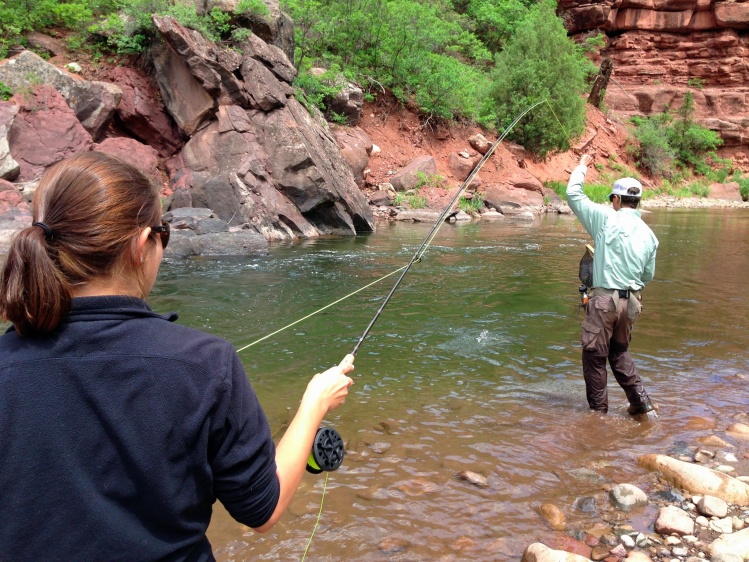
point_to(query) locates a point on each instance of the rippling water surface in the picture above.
(474, 365)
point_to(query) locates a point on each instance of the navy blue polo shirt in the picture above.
(117, 434)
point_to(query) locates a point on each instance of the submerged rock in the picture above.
(474, 478)
(553, 515)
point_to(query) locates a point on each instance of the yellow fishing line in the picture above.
(319, 514)
(320, 310)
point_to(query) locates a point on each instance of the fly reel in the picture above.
(327, 451)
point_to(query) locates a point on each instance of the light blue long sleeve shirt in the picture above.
(625, 247)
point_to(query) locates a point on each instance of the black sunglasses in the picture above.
(163, 231)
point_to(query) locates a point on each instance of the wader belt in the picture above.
(617, 294)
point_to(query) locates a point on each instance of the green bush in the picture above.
(429, 180)
(541, 63)
(252, 8)
(653, 151)
(597, 192)
(743, 185)
(312, 90)
(495, 22)
(667, 142)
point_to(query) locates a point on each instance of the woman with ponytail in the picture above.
(119, 428)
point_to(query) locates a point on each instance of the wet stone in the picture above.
(392, 545)
(680, 448)
(670, 495)
(628, 541)
(553, 515)
(585, 504)
(474, 478)
(599, 552)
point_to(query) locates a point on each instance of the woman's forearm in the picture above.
(325, 392)
(292, 453)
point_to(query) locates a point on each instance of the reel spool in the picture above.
(327, 451)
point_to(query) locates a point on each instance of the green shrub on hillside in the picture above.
(667, 143)
(541, 63)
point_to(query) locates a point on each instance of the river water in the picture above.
(474, 365)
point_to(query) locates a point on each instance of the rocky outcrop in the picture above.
(356, 146)
(256, 155)
(662, 49)
(223, 123)
(198, 231)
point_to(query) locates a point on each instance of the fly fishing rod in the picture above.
(438, 223)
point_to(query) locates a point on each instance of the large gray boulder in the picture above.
(93, 103)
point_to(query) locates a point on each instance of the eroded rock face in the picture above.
(93, 103)
(44, 131)
(141, 111)
(664, 48)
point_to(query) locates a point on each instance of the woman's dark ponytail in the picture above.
(35, 294)
(88, 212)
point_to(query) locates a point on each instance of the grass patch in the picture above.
(597, 192)
(680, 191)
(472, 205)
(412, 201)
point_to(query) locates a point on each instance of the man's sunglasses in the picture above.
(163, 232)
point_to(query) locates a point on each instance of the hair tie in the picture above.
(47, 230)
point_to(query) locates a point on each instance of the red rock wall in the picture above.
(662, 49)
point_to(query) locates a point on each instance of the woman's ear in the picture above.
(140, 248)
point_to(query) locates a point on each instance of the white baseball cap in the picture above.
(622, 187)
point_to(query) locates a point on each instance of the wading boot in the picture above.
(642, 408)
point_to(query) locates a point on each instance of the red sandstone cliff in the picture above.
(664, 48)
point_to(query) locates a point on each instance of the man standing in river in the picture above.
(624, 261)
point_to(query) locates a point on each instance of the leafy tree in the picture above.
(495, 22)
(423, 51)
(541, 63)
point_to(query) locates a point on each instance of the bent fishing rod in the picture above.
(438, 223)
